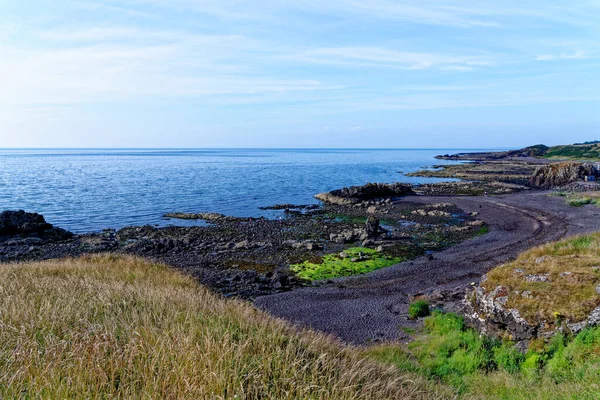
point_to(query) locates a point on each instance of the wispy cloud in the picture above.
(578, 55)
(381, 57)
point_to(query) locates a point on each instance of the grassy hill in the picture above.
(121, 327)
(583, 151)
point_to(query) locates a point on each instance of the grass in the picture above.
(121, 327)
(579, 200)
(579, 151)
(478, 367)
(418, 309)
(484, 230)
(358, 260)
(571, 268)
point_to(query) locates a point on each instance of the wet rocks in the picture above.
(22, 224)
(358, 194)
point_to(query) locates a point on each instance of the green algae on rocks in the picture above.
(352, 261)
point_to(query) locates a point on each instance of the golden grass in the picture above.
(572, 267)
(121, 327)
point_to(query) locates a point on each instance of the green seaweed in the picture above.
(358, 260)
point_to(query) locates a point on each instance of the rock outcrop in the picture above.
(357, 194)
(24, 224)
(561, 174)
(487, 312)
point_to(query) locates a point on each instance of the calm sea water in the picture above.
(88, 190)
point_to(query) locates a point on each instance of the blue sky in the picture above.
(303, 73)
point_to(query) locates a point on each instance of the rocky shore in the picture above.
(249, 257)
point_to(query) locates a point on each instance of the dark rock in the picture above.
(24, 224)
(372, 227)
(370, 191)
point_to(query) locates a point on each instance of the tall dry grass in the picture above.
(121, 327)
(571, 269)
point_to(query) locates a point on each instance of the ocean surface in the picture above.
(89, 190)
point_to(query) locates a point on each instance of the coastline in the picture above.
(430, 235)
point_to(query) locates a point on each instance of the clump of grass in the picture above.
(568, 290)
(484, 230)
(418, 309)
(358, 260)
(579, 201)
(120, 327)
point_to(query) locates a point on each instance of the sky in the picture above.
(303, 73)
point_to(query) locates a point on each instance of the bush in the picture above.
(418, 309)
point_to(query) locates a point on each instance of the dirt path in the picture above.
(374, 307)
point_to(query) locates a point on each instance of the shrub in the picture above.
(418, 309)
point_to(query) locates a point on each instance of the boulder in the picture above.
(372, 227)
(24, 224)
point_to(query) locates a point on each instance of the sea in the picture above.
(87, 190)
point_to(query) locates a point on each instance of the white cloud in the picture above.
(381, 57)
(103, 64)
(578, 55)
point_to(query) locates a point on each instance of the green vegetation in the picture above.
(558, 279)
(418, 309)
(588, 151)
(484, 230)
(479, 367)
(580, 200)
(353, 261)
(104, 327)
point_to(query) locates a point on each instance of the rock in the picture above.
(537, 278)
(486, 312)
(522, 346)
(358, 194)
(561, 174)
(33, 225)
(594, 317)
(372, 227)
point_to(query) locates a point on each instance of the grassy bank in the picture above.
(120, 327)
(478, 367)
(554, 283)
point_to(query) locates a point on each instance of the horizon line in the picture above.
(255, 148)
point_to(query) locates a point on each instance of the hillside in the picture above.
(583, 151)
(120, 327)
(577, 151)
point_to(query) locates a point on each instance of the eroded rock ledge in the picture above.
(370, 191)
